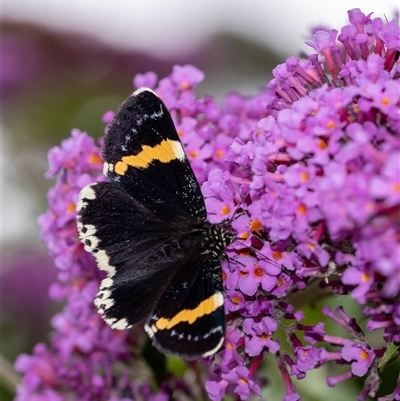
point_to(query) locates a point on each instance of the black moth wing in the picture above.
(144, 157)
(147, 229)
(189, 318)
(135, 248)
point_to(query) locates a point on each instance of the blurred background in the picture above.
(63, 64)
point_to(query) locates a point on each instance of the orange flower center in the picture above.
(365, 277)
(256, 225)
(311, 246)
(93, 158)
(302, 209)
(322, 144)
(304, 176)
(225, 210)
(185, 85)
(330, 125)
(219, 153)
(236, 300)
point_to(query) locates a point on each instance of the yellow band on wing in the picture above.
(206, 307)
(164, 152)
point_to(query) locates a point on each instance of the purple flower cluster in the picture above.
(322, 171)
(308, 171)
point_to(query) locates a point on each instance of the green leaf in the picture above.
(392, 353)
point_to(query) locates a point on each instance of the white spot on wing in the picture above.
(81, 204)
(120, 324)
(214, 350)
(156, 115)
(105, 168)
(103, 295)
(88, 192)
(150, 330)
(94, 241)
(89, 230)
(106, 283)
(178, 150)
(219, 298)
(104, 263)
(87, 234)
(103, 303)
(143, 89)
